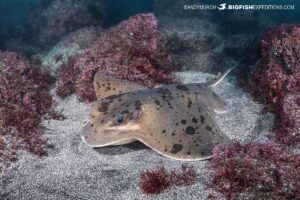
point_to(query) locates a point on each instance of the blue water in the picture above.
(14, 13)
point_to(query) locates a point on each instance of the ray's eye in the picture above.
(120, 119)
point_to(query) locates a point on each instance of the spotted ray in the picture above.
(176, 121)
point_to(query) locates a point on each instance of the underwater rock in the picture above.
(195, 44)
(175, 8)
(24, 99)
(70, 45)
(133, 50)
(277, 76)
(240, 22)
(51, 20)
(255, 171)
(237, 46)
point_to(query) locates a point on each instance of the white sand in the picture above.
(75, 171)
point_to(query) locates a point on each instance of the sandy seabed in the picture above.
(72, 170)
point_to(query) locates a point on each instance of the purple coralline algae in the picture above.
(134, 50)
(258, 170)
(24, 99)
(277, 79)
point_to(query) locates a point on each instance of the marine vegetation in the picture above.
(134, 50)
(257, 170)
(24, 99)
(157, 180)
(276, 78)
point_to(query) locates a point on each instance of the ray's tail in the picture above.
(214, 83)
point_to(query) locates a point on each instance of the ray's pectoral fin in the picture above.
(192, 140)
(219, 105)
(106, 86)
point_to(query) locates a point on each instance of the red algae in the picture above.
(24, 99)
(154, 181)
(134, 50)
(257, 170)
(276, 79)
(157, 180)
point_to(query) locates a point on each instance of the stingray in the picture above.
(176, 120)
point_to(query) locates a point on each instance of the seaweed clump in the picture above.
(24, 99)
(157, 180)
(258, 170)
(277, 76)
(134, 50)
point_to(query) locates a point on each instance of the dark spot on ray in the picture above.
(124, 112)
(108, 88)
(114, 96)
(202, 119)
(92, 125)
(190, 130)
(157, 102)
(194, 120)
(93, 116)
(182, 87)
(176, 148)
(173, 134)
(171, 107)
(137, 104)
(103, 84)
(183, 122)
(188, 153)
(171, 97)
(189, 104)
(166, 150)
(208, 128)
(102, 121)
(180, 140)
(95, 131)
(127, 105)
(120, 100)
(199, 109)
(163, 131)
(176, 124)
(114, 89)
(103, 107)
